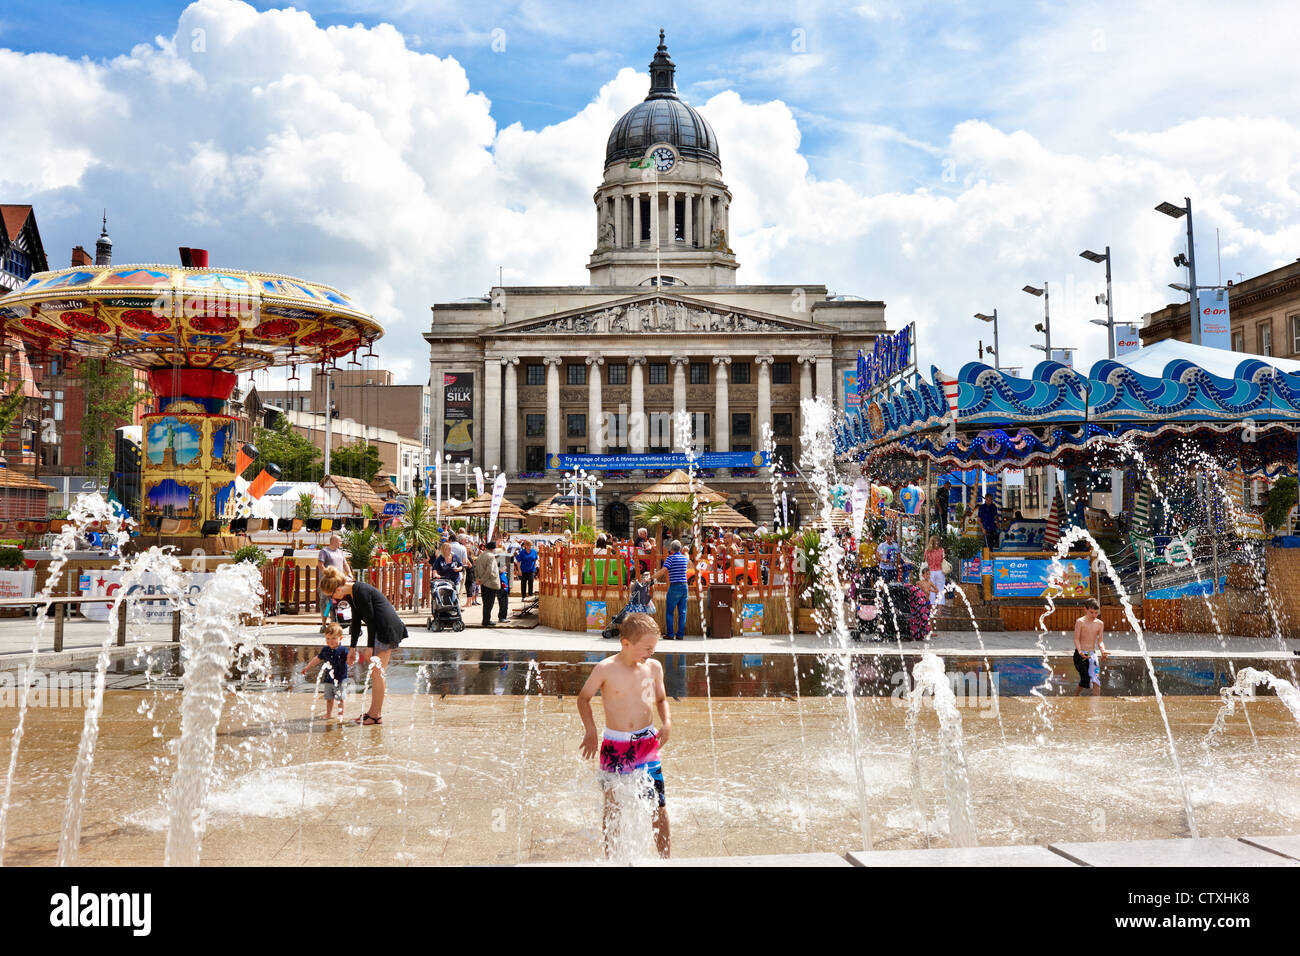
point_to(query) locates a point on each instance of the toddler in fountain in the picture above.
(1089, 651)
(334, 656)
(631, 685)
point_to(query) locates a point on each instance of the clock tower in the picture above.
(662, 209)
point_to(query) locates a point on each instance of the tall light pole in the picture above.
(1110, 310)
(997, 348)
(1188, 260)
(1046, 325)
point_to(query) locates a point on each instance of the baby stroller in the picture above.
(445, 611)
(640, 600)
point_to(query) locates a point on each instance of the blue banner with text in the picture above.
(708, 460)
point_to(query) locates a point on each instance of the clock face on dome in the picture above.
(663, 159)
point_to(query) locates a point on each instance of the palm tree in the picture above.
(668, 515)
(420, 526)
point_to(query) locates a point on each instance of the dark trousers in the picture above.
(493, 596)
(526, 583)
(991, 539)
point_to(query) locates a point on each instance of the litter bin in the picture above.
(720, 610)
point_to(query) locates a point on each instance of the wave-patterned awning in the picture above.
(1002, 419)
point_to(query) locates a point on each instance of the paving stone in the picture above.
(1286, 845)
(962, 856)
(1214, 851)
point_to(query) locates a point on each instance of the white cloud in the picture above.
(346, 156)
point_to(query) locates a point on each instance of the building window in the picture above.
(1239, 340)
(783, 424)
(534, 426)
(740, 374)
(658, 373)
(780, 373)
(577, 374)
(618, 375)
(577, 426)
(534, 458)
(1295, 334)
(53, 404)
(699, 373)
(784, 457)
(700, 426)
(742, 447)
(535, 375)
(577, 449)
(1031, 491)
(615, 426)
(1265, 335)
(740, 426)
(659, 430)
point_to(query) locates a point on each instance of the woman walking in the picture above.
(384, 629)
(934, 558)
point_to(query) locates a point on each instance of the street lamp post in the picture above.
(1110, 309)
(1188, 260)
(997, 348)
(1046, 325)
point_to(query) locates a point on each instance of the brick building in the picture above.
(367, 396)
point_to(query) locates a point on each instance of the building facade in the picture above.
(1264, 311)
(363, 395)
(662, 334)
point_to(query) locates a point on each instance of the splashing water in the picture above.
(930, 679)
(1243, 689)
(209, 632)
(86, 511)
(1069, 537)
(818, 449)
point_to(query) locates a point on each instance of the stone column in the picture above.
(825, 387)
(654, 219)
(510, 408)
(492, 413)
(690, 220)
(805, 393)
(636, 220)
(672, 220)
(553, 446)
(620, 206)
(706, 221)
(764, 396)
(721, 408)
(595, 421)
(680, 362)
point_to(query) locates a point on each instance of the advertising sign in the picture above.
(596, 617)
(751, 619)
(891, 356)
(716, 459)
(109, 582)
(1028, 577)
(1216, 324)
(458, 415)
(1126, 338)
(852, 397)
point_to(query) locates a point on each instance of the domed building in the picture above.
(543, 379)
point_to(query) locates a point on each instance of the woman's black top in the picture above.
(449, 570)
(370, 607)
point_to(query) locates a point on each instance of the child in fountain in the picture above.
(1089, 651)
(631, 685)
(334, 657)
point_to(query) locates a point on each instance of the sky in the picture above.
(937, 156)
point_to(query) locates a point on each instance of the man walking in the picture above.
(988, 517)
(675, 569)
(489, 579)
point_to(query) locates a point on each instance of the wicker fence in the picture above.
(294, 589)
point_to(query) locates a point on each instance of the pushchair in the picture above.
(640, 599)
(905, 614)
(445, 610)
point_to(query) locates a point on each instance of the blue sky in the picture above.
(934, 155)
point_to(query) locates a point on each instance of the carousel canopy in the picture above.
(156, 316)
(677, 487)
(1059, 415)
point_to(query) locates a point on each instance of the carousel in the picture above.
(193, 330)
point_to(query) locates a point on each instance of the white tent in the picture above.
(1152, 359)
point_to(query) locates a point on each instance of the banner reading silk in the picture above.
(709, 460)
(458, 415)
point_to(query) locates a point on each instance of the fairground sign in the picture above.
(891, 357)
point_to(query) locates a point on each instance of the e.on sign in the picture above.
(1216, 324)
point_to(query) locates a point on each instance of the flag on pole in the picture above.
(1053, 533)
(1141, 508)
(498, 492)
(478, 480)
(861, 497)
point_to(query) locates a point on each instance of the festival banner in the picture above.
(16, 584)
(1216, 323)
(458, 415)
(478, 480)
(707, 461)
(156, 611)
(498, 493)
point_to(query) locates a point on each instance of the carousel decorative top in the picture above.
(156, 316)
(1001, 420)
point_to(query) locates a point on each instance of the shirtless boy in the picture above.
(1089, 651)
(631, 685)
